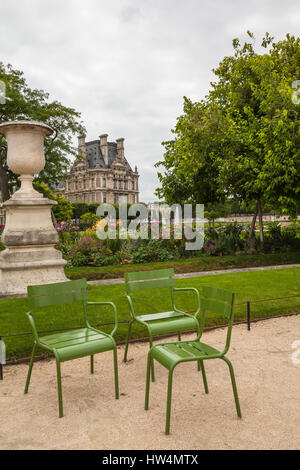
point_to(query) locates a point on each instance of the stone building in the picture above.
(101, 174)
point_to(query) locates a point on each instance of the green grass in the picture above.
(203, 263)
(248, 286)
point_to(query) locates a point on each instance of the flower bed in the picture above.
(83, 248)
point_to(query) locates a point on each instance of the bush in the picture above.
(152, 252)
(90, 218)
(67, 231)
(89, 251)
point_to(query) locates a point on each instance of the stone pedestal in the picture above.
(30, 256)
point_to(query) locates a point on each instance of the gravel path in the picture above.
(267, 378)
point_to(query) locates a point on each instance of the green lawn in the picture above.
(203, 263)
(248, 286)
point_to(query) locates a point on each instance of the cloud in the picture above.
(127, 64)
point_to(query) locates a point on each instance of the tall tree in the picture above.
(245, 134)
(254, 92)
(191, 167)
(23, 102)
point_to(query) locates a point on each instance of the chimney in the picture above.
(81, 145)
(104, 147)
(120, 149)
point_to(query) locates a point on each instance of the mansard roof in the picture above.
(94, 155)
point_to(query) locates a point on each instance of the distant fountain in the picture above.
(29, 236)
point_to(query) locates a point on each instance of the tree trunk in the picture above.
(261, 227)
(4, 184)
(251, 233)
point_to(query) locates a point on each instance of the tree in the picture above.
(22, 102)
(254, 93)
(191, 158)
(253, 153)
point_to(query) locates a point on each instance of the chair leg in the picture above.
(59, 391)
(116, 373)
(30, 368)
(152, 361)
(234, 388)
(203, 375)
(169, 400)
(148, 382)
(92, 364)
(127, 341)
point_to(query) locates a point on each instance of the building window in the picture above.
(120, 184)
(115, 199)
(85, 198)
(125, 184)
(93, 197)
(133, 186)
(93, 182)
(84, 183)
(115, 184)
(104, 197)
(104, 182)
(76, 184)
(133, 199)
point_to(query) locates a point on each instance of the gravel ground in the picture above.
(268, 382)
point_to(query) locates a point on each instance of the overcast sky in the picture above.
(126, 64)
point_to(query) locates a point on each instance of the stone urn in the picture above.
(30, 256)
(25, 152)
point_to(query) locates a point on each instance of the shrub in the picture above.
(90, 218)
(152, 252)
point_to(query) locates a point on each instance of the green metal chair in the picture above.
(174, 321)
(70, 344)
(170, 354)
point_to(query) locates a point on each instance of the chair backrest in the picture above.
(54, 294)
(149, 280)
(221, 302)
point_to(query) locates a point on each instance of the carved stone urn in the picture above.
(30, 256)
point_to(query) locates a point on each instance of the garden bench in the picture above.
(170, 355)
(71, 344)
(174, 321)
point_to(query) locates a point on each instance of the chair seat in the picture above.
(168, 322)
(170, 354)
(77, 343)
(159, 316)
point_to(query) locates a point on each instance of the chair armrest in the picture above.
(115, 313)
(131, 309)
(193, 289)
